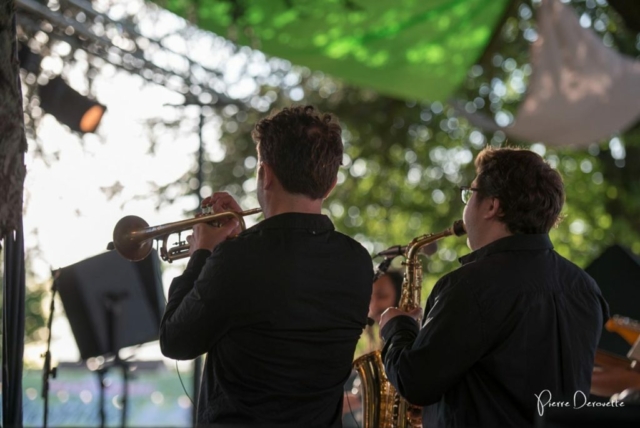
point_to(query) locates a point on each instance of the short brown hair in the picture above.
(531, 193)
(303, 147)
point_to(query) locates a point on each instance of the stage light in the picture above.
(69, 107)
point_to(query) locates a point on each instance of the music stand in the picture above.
(112, 303)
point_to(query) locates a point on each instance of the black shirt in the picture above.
(516, 319)
(278, 310)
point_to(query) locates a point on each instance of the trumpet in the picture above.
(133, 237)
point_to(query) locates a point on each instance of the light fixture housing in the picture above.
(69, 107)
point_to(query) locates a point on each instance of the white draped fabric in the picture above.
(580, 91)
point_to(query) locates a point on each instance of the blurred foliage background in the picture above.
(405, 158)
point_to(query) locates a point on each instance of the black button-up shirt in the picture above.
(278, 310)
(516, 319)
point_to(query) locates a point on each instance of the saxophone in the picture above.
(381, 404)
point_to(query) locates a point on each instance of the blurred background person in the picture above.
(385, 293)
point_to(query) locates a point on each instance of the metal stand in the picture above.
(102, 371)
(113, 306)
(47, 371)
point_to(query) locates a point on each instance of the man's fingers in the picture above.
(230, 225)
(222, 201)
(416, 313)
(219, 207)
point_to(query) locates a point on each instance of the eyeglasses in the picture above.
(466, 192)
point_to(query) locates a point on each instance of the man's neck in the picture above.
(292, 204)
(492, 235)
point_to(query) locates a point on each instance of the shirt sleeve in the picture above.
(424, 364)
(194, 318)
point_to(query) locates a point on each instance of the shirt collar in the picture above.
(520, 242)
(292, 220)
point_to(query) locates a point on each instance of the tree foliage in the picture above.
(404, 159)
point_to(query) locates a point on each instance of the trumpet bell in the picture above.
(124, 241)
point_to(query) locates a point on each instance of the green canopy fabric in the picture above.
(411, 49)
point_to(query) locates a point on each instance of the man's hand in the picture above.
(208, 237)
(391, 313)
(222, 202)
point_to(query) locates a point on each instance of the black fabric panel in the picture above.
(617, 272)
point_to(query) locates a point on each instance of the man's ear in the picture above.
(494, 209)
(268, 176)
(333, 185)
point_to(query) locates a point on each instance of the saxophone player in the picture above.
(515, 322)
(278, 309)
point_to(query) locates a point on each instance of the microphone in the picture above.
(382, 268)
(398, 250)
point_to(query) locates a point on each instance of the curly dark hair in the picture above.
(531, 193)
(303, 147)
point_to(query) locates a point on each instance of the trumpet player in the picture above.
(279, 308)
(516, 326)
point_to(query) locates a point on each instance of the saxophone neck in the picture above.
(414, 247)
(412, 285)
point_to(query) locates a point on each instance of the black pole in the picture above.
(197, 371)
(13, 318)
(197, 363)
(125, 389)
(200, 174)
(102, 371)
(113, 302)
(47, 371)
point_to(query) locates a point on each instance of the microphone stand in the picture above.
(47, 371)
